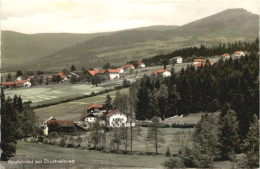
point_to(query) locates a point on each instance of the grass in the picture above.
(74, 109)
(87, 159)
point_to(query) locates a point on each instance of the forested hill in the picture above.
(20, 48)
(135, 44)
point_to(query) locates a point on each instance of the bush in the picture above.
(62, 142)
(195, 159)
(168, 154)
(53, 134)
(174, 162)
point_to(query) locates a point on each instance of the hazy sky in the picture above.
(88, 16)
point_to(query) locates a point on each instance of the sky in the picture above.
(90, 16)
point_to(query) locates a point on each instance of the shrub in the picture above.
(62, 142)
(195, 159)
(168, 154)
(53, 134)
(174, 162)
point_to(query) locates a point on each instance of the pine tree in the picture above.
(108, 103)
(228, 136)
(142, 103)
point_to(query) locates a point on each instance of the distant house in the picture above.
(138, 65)
(225, 56)
(128, 67)
(89, 118)
(196, 61)
(45, 127)
(61, 126)
(19, 78)
(62, 76)
(116, 119)
(177, 60)
(161, 73)
(238, 54)
(30, 77)
(96, 108)
(8, 84)
(204, 64)
(113, 73)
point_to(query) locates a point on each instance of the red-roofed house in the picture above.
(238, 54)
(88, 118)
(8, 84)
(113, 73)
(139, 65)
(62, 76)
(116, 119)
(225, 56)
(204, 64)
(96, 108)
(128, 67)
(196, 61)
(30, 77)
(61, 125)
(162, 73)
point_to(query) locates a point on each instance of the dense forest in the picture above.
(18, 121)
(204, 51)
(230, 87)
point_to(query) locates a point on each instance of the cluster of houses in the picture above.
(107, 74)
(235, 55)
(96, 111)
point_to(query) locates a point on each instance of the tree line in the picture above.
(204, 51)
(18, 121)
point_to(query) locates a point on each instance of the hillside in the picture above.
(19, 48)
(135, 44)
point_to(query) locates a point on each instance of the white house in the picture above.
(96, 108)
(238, 54)
(162, 72)
(138, 64)
(225, 56)
(113, 73)
(179, 59)
(45, 126)
(89, 118)
(128, 67)
(116, 119)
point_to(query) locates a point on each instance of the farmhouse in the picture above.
(20, 83)
(89, 118)
(196, 61)
(161, 73)
(204, 64)
(138, 64)
(30, 77)
(113, 73)
(238, 54)
(177, 60)
(60, 126)
(128, 67)
(96, 108)
(116, 119)
(225, 56)
(62, 76)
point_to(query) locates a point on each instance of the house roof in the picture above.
(61, 123)
(60, 73)
(50, 77)
(30, 77)
(203, 64)
(20, 81)
(198, 60)
(111, 112)
(138, 63)
(87, 115)
(8, 83)
(95, 105)
(129, 65)
(225, 54)
(159, 71)
(94, 72)
(237, 52)
(114, 70)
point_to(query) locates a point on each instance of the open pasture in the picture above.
(72, 110)
(43, 94)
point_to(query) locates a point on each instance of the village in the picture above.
(96, 111)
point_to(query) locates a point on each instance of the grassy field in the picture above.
(87, 159)
(74, 109)
(42, 94)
